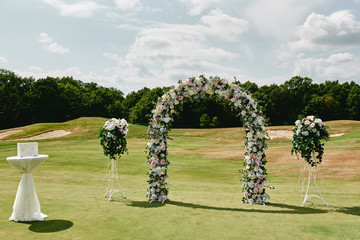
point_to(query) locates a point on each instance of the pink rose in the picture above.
(312, 125)
(261, 176)
(235, 87)
(307, 122)
(256, 190)
(162, 107)
(181, 98)
(162, 162)
(162, 148)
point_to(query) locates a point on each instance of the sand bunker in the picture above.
(289, 134)
(8, 133)
(51, 134)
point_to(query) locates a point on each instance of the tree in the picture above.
(205, 121)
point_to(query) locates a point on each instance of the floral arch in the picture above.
(254, 172)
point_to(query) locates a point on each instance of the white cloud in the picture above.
(336, 30)
(50, 45)
(36, 69)
(44, 38)
(128, 4)
(3, 60)
(164, 54)
(278, 18)
(198, 6)
(83, 9)
(223, 25)
(336, 66)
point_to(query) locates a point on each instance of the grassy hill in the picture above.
(205, 195)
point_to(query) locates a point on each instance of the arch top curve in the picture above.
(254, 173)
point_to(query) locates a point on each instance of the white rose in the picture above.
(305, 133)
(123, 123)
(167, 119)
(311, 118)
(109, 125)
(297, 122)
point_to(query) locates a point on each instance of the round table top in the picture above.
(27, 164)
(40, 156)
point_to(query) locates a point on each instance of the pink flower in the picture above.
(162, 148)
(235, 87)
(307, 122)
(162, 162)
(162, 107)
(261, 176)
(256, 190)
(181, 98)
(154, 121)
(153, 163)
(312, 125)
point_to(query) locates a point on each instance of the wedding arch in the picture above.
(254, 172)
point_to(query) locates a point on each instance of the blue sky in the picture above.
(130, 44)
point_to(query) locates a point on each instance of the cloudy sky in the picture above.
(129, 44)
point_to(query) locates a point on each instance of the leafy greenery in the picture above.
(112, 137)
(26, 100)
(308, 133)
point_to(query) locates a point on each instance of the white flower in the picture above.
(123, 123)
(305, 133)
(297, 122)
(109, 125)
(167, 119)
(311, 118)
(318, 121)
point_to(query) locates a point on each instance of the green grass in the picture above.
(205, 195)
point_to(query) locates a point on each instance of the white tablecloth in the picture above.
(26, 207)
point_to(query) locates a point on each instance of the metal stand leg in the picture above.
(312, 173)
(113, 184)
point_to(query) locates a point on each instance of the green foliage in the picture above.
(308, 133)
(205, 121)
(26, 100)
(141, 112)
(215, 122)
(113, 138)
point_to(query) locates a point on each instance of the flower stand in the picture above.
(113, 180)
(312, 177)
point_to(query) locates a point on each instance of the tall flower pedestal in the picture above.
(312, 178)
(113, 180)
(112, 138)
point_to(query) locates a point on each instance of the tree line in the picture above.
(24, 100)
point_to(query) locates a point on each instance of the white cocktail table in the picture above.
(26, 207)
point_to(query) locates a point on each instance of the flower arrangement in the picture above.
(308, 133)
(112, 137)
(254, 172)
